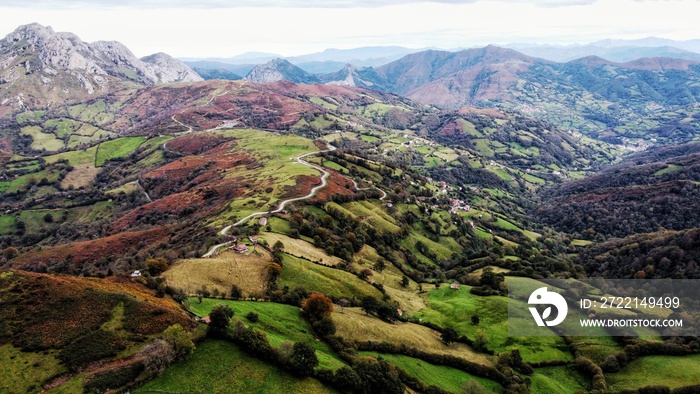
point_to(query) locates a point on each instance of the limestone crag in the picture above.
(278, 70)
(35, 48)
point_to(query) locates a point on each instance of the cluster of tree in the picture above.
(640, 195)
(594, 372)
(365, 375)
(664, 254)
(383, 310)
(318, 308)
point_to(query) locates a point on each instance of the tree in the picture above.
(387, 312)
(10, 253)
(404, 281)
(303, 359)
(380, 265)
(369, 305)
(365, 273)
(377, 376)
(236, 292)
(48, 218)
(449, 335)
(180, 340)
(273, 271)
(156, 266)
(252, 317)
(346, 378)
(317, 306)
(278, 246)
(156, 356)
(324, 327)
(475, 320)
(220, 317)
(481, 341)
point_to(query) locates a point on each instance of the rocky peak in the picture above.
(41, 48)
(170, 69)
(279, 70)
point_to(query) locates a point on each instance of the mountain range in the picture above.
(43, 66)
(590, 94)
(145, 212)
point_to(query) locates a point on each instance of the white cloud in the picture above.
(224, 32)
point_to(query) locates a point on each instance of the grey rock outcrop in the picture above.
(35, 48)
(279, 70)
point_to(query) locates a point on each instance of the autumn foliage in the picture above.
(317, 306)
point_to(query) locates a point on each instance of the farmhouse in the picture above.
(262, 221)
(454, 286)
(240, 248)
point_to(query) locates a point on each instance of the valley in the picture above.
(242, 236)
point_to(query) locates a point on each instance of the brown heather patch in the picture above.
(49, 311)
(194, 144)
(450, 129)
(493, 112)
(79, 253)
(336, 185)
(303, 186)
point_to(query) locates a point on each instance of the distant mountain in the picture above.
(244, 58)
(454, 79)
(169, 69)
(373, 56)
(219, 73)
(353, 76)
(238, 69)
(612, 53)
(330, 60)
(39, 66)
(279, 70)
(688, 45)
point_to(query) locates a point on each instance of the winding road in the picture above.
(284, 203)
(357, 187)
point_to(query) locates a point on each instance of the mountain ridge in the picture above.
(56, 64)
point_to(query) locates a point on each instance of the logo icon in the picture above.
(543, 297)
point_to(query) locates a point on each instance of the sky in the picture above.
(217, 28)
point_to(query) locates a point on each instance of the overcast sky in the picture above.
(215, 28)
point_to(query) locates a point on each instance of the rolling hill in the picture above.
(339, 238)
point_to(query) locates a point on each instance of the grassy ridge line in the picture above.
(233, 372)
(447, 378)
(282, 323)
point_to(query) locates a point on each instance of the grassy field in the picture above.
(248, 272)
(24, 372)
(75, 158)
(121, 147)
(63, 127)
(34, 219)
(332, 282)
(352, 323)
(299, 247)
(7, 224)
(448, 379)
(390, 277)
(277, 169)
(373, 214)
(565, 379)
(454, 308)
(656, 371)
(282, 323)
(233, 372)
(34, 116)
(41, 140)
